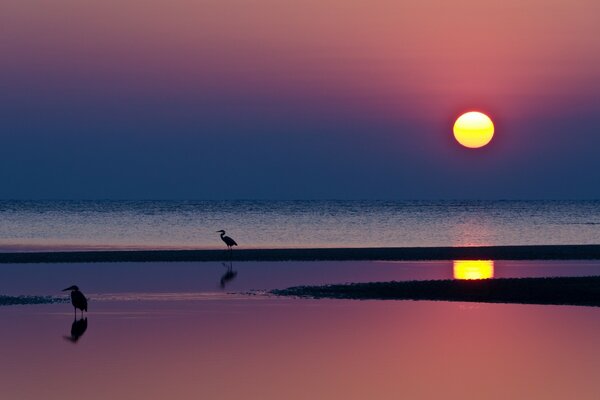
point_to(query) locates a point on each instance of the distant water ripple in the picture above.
(65, 225)
(175, 296)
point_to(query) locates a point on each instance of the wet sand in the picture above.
(580, 291)
(546, 252)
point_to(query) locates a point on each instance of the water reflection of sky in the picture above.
(158, 330)
(298, 349)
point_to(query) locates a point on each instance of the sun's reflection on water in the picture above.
(473, 269)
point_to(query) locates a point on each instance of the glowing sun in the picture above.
(473, 129)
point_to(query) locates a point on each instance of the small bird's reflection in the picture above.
(229, 275)
(78, 328)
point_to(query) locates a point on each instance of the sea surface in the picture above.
(63, 225)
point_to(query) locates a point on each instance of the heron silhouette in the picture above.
(229, 274)
(77, 329)
(77, 299)
(228, 241)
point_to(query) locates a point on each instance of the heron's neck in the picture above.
(222, 234)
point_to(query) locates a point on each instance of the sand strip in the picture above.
(552, 252)
(580, 291)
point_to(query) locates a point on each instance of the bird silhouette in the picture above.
(77, 299)
(77, 329)
(228, 241)
(229, 275)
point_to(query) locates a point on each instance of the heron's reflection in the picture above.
(78, 328)
(229, 274)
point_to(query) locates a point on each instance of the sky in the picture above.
(297, 99)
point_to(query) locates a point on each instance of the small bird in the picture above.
(77, 299)
(228, 241)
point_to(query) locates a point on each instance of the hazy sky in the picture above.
(304, 99)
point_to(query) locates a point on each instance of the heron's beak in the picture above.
(69, 288)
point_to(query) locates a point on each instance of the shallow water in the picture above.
(169, 330)
(52, 225)
(200, 277)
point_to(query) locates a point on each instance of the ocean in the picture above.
(86, 225)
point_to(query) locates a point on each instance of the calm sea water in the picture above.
(39, 225)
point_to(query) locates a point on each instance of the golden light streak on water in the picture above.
(473, 269)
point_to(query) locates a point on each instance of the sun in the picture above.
(473, 129)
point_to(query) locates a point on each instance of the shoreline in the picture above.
(530, 252)
(573, 291)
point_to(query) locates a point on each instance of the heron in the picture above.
(77, 299)
(228, 241)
